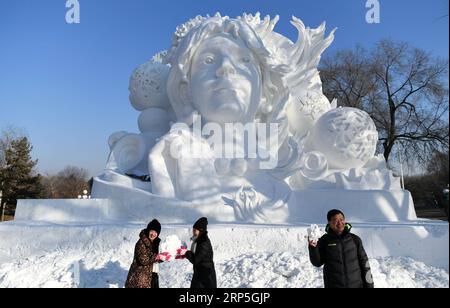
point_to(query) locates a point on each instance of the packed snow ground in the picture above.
(261, 270)
(105, 263)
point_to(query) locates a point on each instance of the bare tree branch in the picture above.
(403, 88)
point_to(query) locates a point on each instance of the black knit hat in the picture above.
(201, 224)
(333, 213)
(155, 226)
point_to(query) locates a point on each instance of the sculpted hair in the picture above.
(183, 50)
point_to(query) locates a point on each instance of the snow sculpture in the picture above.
(347, 137)
(148, 86)
(170, 245)
(233, 116)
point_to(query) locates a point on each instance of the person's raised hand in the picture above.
(164, 256)
(312, 243)
(181, 252)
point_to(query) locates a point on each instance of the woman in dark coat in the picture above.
(201, 256)
(143, 271)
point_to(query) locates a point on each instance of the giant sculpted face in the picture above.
(225, 80)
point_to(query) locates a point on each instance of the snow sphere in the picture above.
(148, 86)
(154, 120)
(346, 136)
(304, 109)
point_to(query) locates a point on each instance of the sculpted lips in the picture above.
(227, 89)
(232, 86)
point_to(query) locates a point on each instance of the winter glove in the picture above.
(181, 252)
(163, 256)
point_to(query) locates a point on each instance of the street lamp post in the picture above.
(445, 193)
(3, 208)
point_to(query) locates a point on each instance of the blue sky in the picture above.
(66, 85)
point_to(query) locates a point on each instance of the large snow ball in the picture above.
(346, 136)
(305, 109)
(154, 120)
(128, 152)
(148, 86)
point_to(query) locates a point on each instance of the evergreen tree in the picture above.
(17, 177)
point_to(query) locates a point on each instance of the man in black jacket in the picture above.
(201, 256)
(342, 253)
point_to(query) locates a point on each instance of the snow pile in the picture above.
(52, 255)
(314, 233)
(261, 270)
(270, 270)
(285, 270)
(402, 272)
(170, 245)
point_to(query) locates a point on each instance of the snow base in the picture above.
(305, 206)
(49, 255)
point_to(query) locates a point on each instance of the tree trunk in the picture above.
(389, 144)
(387, 150)
(2, 206)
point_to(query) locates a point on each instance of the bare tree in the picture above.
(68, 183)
(428, 189)
(440, 167)
(404, 90)
(347, 77)
(48, 186)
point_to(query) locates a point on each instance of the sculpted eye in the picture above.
(246, 59)
(209, 60)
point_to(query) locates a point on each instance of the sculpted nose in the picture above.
(226, 68)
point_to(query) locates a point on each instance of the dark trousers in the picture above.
(155, 281)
